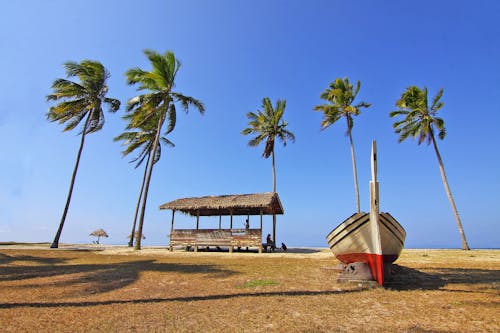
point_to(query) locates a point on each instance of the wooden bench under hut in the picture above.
(259, 204)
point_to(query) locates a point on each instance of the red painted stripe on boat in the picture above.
(376, 262)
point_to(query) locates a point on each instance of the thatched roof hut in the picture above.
(236, 204)
(224, 205)
(99, 233)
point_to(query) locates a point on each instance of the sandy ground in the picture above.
(102, 288)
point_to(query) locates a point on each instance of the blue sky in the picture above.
(234, 53)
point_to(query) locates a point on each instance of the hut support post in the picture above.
(197, 227)
(261, 220)
(172, 230)
(260, 246)
(231, 227)
(274, 229)
(220, 220)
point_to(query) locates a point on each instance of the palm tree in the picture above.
(136, 139)
(420, 120)
(341, 95)
(158, 103)
(268, 125)
(78, 101)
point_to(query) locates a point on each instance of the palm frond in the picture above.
(256, 141)
(134, 75)
(172, 118)
(140, 158)
(167, 142)
(187, 101)
(64, 88)
(436, 103)
(269, 148)
(114, 104)
(72, 122)
(442, 133)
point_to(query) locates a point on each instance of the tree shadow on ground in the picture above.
(7, 259)
(96, 278)
(293, 293)
(405, 278)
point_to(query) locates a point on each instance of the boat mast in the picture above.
(374, 203)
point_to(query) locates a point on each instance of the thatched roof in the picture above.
(237, 204)
(99, 233)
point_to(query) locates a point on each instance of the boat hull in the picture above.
(353, 241)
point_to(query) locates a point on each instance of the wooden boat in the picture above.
(373, 238)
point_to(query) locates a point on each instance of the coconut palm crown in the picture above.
(78, 101)
(82, 99)
(268, 125)
(420, 121)
(159, 102)
(340, 96)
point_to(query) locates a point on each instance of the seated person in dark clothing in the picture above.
(268, 239)
(270, 243)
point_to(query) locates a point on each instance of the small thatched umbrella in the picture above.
(135, 235)
(99, 233)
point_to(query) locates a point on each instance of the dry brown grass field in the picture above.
(116, 290)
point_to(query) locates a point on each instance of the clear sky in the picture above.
(234, 53)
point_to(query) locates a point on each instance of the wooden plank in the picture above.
(217, 237)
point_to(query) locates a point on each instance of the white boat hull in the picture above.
(353, 241)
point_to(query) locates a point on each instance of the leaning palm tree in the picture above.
(421, 121)
(341, 95)
(158, 103)
(143, 139)
(78, 101)
(268, 125)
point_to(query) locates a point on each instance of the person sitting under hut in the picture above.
(270, 243)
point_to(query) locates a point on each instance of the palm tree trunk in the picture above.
(148, 179)
(355, 173)
(131, 241)
(55, 243)
(274, 190)
(465, 245)
(274, 173)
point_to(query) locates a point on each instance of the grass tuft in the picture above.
(258, 283)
